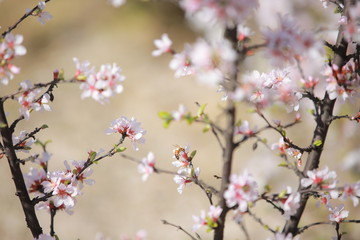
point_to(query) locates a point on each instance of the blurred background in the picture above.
(119, 202)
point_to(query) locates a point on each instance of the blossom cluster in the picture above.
(10, 47)
(186, 172)
(99, 85)
(129, 128)
(326, 180)
(351, 24)
(342, 83)
(242, 192)
(208, 219)
(62, 186)
(265, 89)
(229, 12)
(31, 100)
(288, 43)
(211, 63)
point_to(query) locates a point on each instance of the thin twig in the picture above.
(21, 19)
(181, 229)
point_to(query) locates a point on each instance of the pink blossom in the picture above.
(10, 47)
(42, 104)
(146, 167)
(209, 219)
(45, 237)
(128, 128)
(245, 129)
(243, 32)
(180, 113)
(34, 179)
(102, 85)
(41, 14)
(281, 145)
(64, 195)
(288, 42)
(186, 178)
(352, 191)
(182, 156)
(241, 191)
(322, 178)
(282, 236)
(310, 82)
(228, 13)
(78, 180)
(337, 214)
(83, 69)
(21, 144)
(163, 45)
(181, 62)
(291, 205)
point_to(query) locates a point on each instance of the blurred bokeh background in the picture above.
(119, 202)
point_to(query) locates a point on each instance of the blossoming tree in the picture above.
(221, 62)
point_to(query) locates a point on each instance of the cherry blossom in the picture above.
(229, 12)
(183, 160)
(281, 145)
(83, 69)
(186, 178)
(78, 179)
(181, 62)
(337, 214)
(42, 104)
(288, 42)
(21, 144)
(129, 128)
(45, 237)
(146, 167)
(208, 219)
(163, 45)
(351, 191)
(180, 113)
(320, 177)
(10, 47)
(241, 191)
(282, 236)
(33, 180)
(244, 129)
(243, 32)
(104, 84)
(291, 205)
(41, 14)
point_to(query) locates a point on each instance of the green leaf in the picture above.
(44, 126)
(283, 164)
(165, 116)
(282, 194)
(120, 149)
(201, 110)
(318, 143)
(192, 154)
(206, 128)
(92, 156)
(267, 188)
(3, 125)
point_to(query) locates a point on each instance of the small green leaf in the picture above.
(264, 140)
(318, 143)
(267, 188)
(120, 149)
(92, 156)
(192, 154)
(44, 126)
(282, 194)
(283, 164)
(206, 128)
(3, 125)
(201, 110)
(165, 116)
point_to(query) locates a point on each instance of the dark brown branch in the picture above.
(17, 175)
(323, 121)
